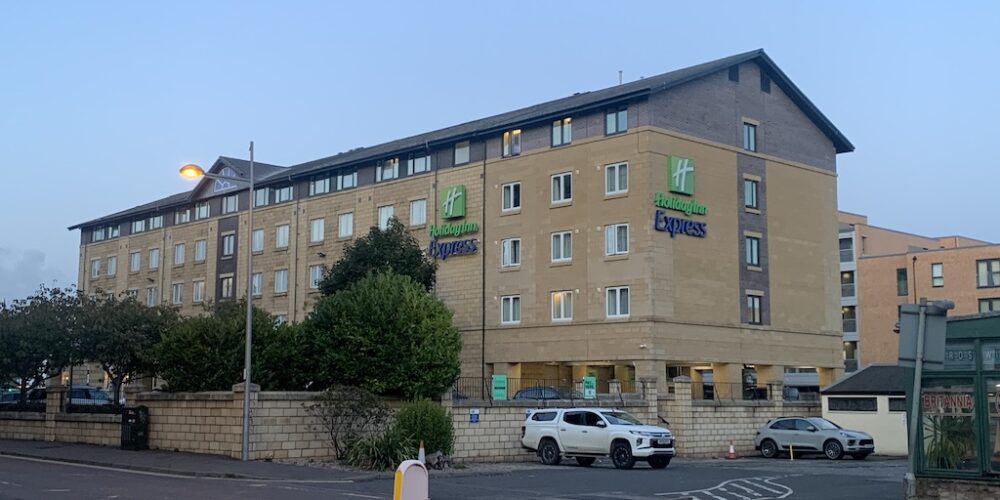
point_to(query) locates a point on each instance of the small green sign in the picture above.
(589, 387)
(499, 388)
(681, 175)
(453, 202)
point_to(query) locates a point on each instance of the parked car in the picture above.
(812, 435)
(33, 396)
(545, 392)
(587, 433)
(89, 395)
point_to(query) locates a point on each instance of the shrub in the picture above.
(347, 414)
(427, 421)
(383, 451)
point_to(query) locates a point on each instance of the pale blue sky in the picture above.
(100, 102)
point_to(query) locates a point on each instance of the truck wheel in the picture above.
(548, 452)
(659, 462)
(585, 461)
(621, 455)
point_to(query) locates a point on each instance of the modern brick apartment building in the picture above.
(682, 223)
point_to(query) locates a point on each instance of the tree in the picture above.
(386, 334)
(36, 336)
(393, 249)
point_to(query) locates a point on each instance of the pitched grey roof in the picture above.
(871, 380)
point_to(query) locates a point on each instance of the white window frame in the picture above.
(283, 194)
(755, 308)
(511, 143)
(97, 235)
(281, 281)
(317, 230)
(752, 250)
(512, 188)
(180, 254)
(558, 183)
(281, 235)
(418, 164)
(156, 222)
(114, 231)
(230, 204)
(462, 151)
(418, 212)
(280, 319)
(558, 242)
(319, 186)
(614, 302)
(154, 258)
(227, 287)
(510, 252)
(751, 189)
(937, 274)
(138, 226)
(749, 136)
(347, 181)
(197, 291)
(613, 180)
(202, 211)
(112, 265)
(385, 213)
(562, 132)
(200, 250)
(315, 276)
(134, 262)
(177, 294)
(612, 245)
(345, 225)
(387, 170)
(256, 284)
(262, 197)
(182, 216)
(95, 268)
(616, 121)
(564, 310)
(228, 245)
(151, 296)
(510, 310)
(257, 240)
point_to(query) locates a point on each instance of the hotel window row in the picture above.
(617, 302)
(616, 243)
(615, 182)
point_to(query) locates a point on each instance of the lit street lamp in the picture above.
(194, 172)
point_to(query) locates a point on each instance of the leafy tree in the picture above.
(385, 334)
(286, 359)
(36, 336)
(393, 249)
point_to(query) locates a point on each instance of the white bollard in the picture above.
(411, 482)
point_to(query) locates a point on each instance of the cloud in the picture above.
(22, 271)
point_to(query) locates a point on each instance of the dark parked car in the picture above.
(545, 392)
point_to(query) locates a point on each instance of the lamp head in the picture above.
(192, 172)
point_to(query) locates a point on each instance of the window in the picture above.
(562, 306)
(228, 245)
(134, 261)
(418, 165)
(418, 212)
(897, 404)
(198, 292)
(202, 211)
(182, 216)
(750, 188)
(280, 319)
(230, 204)
(156, 222)
(97, 235)
(752, 245)
(138, 226)
(257, 240)
(852, 404)
(387, 170)
(562, 132)
(510, 310)
(200, 249)
(345, 225)
(281, 236)
(283, 194)
(846, 249)
(937, 274)
(511, 195)
(315, 276)
(226, 287)
(179, 254)
(765, 83)
(510, 254)
(902, 287)
(753, 309)
(617, 299)
(262, 197)
(281, 281)
(734, 73)
(177, 293)
(319, 186)
(562, 246)
(317, 230)
(616, 121)
(511, 143)
(849, 318)
(114, 231)
(154, 258)
(749, 136)
(562, 187)
(616, 178)
(784, 425)
(256, 284)
(112, 265)
(989, 305)
(462, 153)
(95, 268)
(988, 273)
(151, 296)
(543, 416)
(847, 284)
(384, 214)
(616, 239)
(347, 181)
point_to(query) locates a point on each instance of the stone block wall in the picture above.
(55, 425)
(197, 422)
(28, 426)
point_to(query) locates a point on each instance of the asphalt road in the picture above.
(744, 479)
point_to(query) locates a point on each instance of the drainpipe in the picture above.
(482, 253)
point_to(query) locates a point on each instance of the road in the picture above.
(744, 479)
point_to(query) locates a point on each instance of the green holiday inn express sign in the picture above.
(452, 207)
(680, 180)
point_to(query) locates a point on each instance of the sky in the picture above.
(101, 102)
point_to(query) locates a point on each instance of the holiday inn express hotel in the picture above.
(684, 223)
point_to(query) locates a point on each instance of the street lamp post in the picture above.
(192, 171)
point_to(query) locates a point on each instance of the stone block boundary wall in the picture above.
(55, 425)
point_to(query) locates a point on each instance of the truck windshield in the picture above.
(620, 418)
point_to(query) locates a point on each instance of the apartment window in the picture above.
(202, 211)
(226, 287)
(765, 83)
(134, 262)
(384, 214)
(228, 245)
(852, 404)
(749, 136)
(151, 296)
(112, 265)
(562, 132)
(230, 204)
(262, 197)
(618, 302)
(132, 293)
(462, 153)
(283, 194)
(345, 225)
(988, 273)
(937, 274)
(281, 281)
(256, 284)
(257, 240)
(114, 231)
(154, 258)
(418, 212)
(280, 319)
(418, 165)
(510, 254)
(95, 268)
(750, 188)
(616, 178)
(616, 121)
(182, 216)
(177, 293)
(752, 245)
(200, 249)
(989, 305)
(902, 286)
(347, 181)
(562, 246)
(511, 143)
(97, 235)
(138, 226)
(562, 306)
(616, 239)
(849, 318)
(562, 187)
(734, 73)
(510, 309)
(846, 249)
(387, 170)
(847, 284)
(317, 230)
(179, 254)
(511, 196)
(319, 186)
(315, 276)
(281, 236)
(198, 292)
(753, 309)
(156, 222)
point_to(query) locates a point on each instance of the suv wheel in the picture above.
(585, 461)
(659, 462)
(548, 452)
(768, 448)
(621, 455)
(833, 449)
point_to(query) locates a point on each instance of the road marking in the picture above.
(737, 495)
(58, 490)
(756, 486)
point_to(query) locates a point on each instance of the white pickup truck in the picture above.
(588, 433)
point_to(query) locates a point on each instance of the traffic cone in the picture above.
(732, 452)
(421, 456)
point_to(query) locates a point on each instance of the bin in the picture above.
(135, 428)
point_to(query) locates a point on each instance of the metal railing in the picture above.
(736, 391)
(531, 389)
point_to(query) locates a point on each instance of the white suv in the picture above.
(588, 433)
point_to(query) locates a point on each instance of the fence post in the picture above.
(681, 416)
(55, 396)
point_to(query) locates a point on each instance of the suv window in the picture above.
(784, 425)
(573, 417)
(802, 425)
(544, 416)
(591, 419)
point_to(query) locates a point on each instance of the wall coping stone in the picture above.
(185, 396)
(288, 395)
(22, 415)
(552, 403)
(734, 404)
(108, 418)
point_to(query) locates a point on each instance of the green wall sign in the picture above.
(589, 387)
(453, 202)
(681, 178)
(499, 388)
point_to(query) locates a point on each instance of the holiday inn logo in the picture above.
(453, 202)
(681, 175)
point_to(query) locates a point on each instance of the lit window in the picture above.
(138, 226)
(317, 230)
(177, 293)
(562, 187)
(387, 170)
(283, 194)
(345, 225)
(179, 254)
(228, 245)
(616, 121)
(257, 240)
(616, 178)
(418, 165)
(256, 282)
(562, 246)
(562, 306)
(182, 216)
(315, 276)
(750, 188)
(281, 281)
(230, 204)
(618, 302)
(418, 212)
(319, 186)
(200, 249)
(937, 274)
(511, 143)
(151, 296)
(511, 194)
(134, 261)
(752, 247)
(384, 214)
(281, 236)
(202, 211)
(226, 286)
(462, 153)
(749, 137)
(753, 309)
(261, 197)
(95, 268)
(154, 258)
(510, 255)
(112, 265)
(510, 309)
(562, 132)
(616, 239)
(198, 292)
(347, 181)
